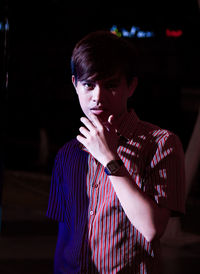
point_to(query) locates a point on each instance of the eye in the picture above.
(111, 86)
(88, 85)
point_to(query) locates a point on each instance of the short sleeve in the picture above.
(56, 204)
(165, 174)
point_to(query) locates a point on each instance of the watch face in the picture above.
(113, 166)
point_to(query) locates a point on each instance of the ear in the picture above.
(73, 81)
(133, 86)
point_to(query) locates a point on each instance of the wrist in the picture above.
(109, 158)
(113, 167)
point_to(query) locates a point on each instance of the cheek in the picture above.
(118, 104)
(84, 102)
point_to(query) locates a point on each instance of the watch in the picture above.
(113, 166)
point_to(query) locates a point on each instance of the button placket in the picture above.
(95, 185)
(94, 197)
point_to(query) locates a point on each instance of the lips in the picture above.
(97, 111)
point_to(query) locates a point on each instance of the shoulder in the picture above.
(66, 156)
(156, 137)
(72, 144)
(68, 147)
(155, 132)
(149, 128)
(67, 150)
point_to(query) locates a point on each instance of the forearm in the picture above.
(141, 210)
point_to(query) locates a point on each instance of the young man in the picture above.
(116, 184)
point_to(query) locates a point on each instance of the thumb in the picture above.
(109, 123)
(111, 119)
(112, 122)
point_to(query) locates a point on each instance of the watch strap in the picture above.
(113, 166)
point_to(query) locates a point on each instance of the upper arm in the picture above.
(166, 179)
(165, 175)
(62, 239)
(56, 203)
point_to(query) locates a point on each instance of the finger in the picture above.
(81, 139)
(84, 131)
(96, 121)
(89, 125)
(111, 120)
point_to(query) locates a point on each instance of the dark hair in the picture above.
(100, 54)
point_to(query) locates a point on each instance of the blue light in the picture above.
(125, 33)
(134, 32)
(114, 27)
(141, 34)
(6, 26)
(149, 34)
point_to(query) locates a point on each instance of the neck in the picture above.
(120, 118)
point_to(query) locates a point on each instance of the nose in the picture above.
(97, 94)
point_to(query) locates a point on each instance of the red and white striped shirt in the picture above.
(103, 240)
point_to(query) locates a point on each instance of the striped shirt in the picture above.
(102, 239)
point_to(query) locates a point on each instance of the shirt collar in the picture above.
(128, 125)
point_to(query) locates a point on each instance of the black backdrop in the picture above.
(40, 94)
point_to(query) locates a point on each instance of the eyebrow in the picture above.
(114, 80)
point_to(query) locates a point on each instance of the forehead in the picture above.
(116, 77)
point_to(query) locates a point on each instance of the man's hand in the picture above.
(99, 138)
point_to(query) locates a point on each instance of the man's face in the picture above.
(104, 97)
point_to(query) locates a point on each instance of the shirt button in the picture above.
(91, 212)
(95, 185)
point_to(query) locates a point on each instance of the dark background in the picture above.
(37, 99)
(40, 94)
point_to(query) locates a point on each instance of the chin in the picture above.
(104, 117)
